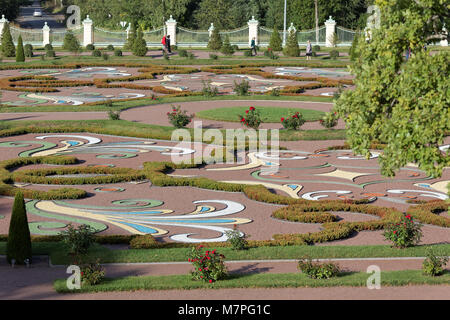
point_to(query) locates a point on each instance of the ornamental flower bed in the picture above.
(405, 233)
(178, 118)
(208, 265)
(293, 122)
(252, 118)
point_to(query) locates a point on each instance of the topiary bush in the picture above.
(110, 47)
(71, 43)
(275, 42)
(28, 49)
(8, 48)
(316, 48)
(227, 49)
(105, 56)
(18, 246)
(96, 53)
(20, 54)
(292, 49)
(48, 47)
(50, 54)
(140, 45)
(215, 41)
(118, 53)
(334, 54)
(90, 47)
(213, 56)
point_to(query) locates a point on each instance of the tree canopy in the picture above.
(401, 103)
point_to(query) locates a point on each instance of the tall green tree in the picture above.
(403, 104)
(20, 54)
(10, 8)
(275, 42)
(8, 49)
(214, 11)
(139, 45)
(18, 246)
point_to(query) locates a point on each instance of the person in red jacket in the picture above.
(164, 43)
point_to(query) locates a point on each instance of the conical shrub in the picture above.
(292, 49)
(8, 49)
(275, 42)
(131, 37)
(20, 54)
(71, 43)
(19, 239)
(215, 41)
(139, 45)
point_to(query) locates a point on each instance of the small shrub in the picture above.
(20, 53)
(227, 49)
(275, 92)
(139, 45)
(242, 88)
(330, 120)
(178, 118)
(92, 274)
(105, 56)
(270, 54)
(48, 47)
(143, 242)
(293, 122)
(215, 41)
(292, 49)
(213, 56)
(190, 56)
(50, 54)
(183, 53)
(118, 53)
(434, 265)
(28, 50)
(236, 239)
(108, 103)
(78, 240)
(252, 118)
(114, 115)
(90, 47)
(208, 90)
(405, 233)
(96, 53)
(110, 47)
(275, 42)
(18, 246)
(316, 48)
(209, 266)
(318, 270)
(334, 54)
(71, 43)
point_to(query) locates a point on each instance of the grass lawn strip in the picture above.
(268, 114)
(287, 280)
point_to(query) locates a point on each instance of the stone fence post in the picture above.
(171, 25)
(45, 34)
(330, 26)
(88, 33)
(3, 21)
(253, 31)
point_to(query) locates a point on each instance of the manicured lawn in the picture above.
(138, 130)
(268, 114)
(264, 280)
(58, 253)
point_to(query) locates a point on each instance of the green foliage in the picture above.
(114, 115)
(251, 119)
(334, 39)
(247, 53)
(143, 242)
(139, 45)
(191, 55)
(330, 120)
(405, 233)
(318, 270)
(208, 90)
(316, 48)
(292, 49)
(178, 118)
(183, 53)
(213, 56)
(401, 104)
(110, 47)
(236, 239)
(48, 47)
(293, 122)
(50, 54)
(28, 49)
(334, 54)
(242, 88)
(92, 274)
(118, 53)
(8, 49)
(209, 266)
(353, 52)
(129, 45)
(105, 56)
(90, 47)
(71, 43)
(96, 53)
(19, 240)
(275, 42)
(227, 49)
(20, 54)
(215, 41)
(78, 240)
(434, 265)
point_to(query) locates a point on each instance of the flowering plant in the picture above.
(293, 122)
(178, 118)
(330, 120)
(92, 273)
(405, 233)
(208, 265)
(252, 118)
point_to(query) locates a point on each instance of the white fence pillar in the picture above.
(88, 34)
(45, 34)
(211, 29)
(444, 42)
(330, 25)
(253, 31)
(3, 21)
(171, 25)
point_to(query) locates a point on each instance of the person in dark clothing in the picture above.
(253, 46)
(168, 44)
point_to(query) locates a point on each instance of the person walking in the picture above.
(308, 50)
(168, 44)
(253, 46)
(164, 43)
